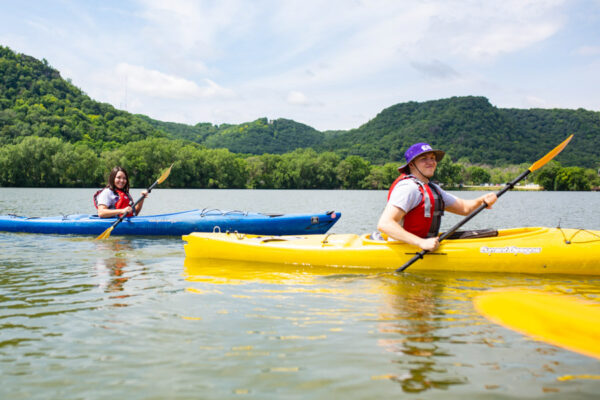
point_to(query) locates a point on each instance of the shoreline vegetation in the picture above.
(51, 162)
(54, 135)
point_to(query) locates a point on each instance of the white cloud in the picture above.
(535, 102)
(193, 26)
(295, 97)
(344, 45)
(435, 69)
(329, 67)
(157, 84)
(482, 31)
(588, 50)
(367, 50)
(505, 37)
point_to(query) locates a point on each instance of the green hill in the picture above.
(471, 128)
(263, 136)
(540, 129)
(36, 101)
(194, 133)
(257, 137)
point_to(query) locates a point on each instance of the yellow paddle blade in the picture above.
(542, 161)
(105, 234)
(561, 320)
(164, 175)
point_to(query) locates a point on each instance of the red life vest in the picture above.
(123, 201)
(425, 219)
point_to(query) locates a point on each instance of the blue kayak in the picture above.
(177, 224)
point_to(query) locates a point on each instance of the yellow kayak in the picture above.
(561, 320)
(519, 250)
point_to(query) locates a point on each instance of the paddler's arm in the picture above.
(465, 207)
(139, 205)
(390, 223)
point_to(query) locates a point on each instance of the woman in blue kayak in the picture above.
(114, 200)
(415, 205)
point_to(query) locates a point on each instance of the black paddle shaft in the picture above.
(141, 197)
(505, 189)
(120, 219)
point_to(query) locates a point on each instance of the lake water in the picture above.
(130, 318)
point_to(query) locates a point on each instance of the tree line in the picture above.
(51, 162)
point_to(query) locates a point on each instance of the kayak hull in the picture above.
(176, 224)
(518, 250)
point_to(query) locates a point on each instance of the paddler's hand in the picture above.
(429, 244)
(127, 210)
(144, 194)
(489, 199)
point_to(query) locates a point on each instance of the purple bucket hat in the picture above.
(416, 150)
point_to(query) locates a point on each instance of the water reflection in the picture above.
(436, 326)
(241, 272)
(112, 266)
(411, 318)
(410, 312)
(432, 338)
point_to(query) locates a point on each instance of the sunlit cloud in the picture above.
(295, 97)
(157, 84)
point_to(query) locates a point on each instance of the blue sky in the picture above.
(329, 64)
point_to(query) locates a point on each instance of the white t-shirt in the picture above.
(406, 195)
(107, 198)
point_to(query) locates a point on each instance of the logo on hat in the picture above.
(426, 147)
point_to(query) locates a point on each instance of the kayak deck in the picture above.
(518, 250)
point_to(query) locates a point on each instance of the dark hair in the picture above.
(113, 175)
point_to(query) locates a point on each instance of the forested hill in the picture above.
(462, 126)
(471, 128)
(467, 128)
(257, 137)
(36, 101)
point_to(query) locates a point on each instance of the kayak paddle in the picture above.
(106, 233)
(560, 320)
(536, 165)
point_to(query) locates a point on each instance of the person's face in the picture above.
(120, 180)
(426, 164)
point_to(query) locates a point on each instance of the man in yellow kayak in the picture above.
(415, 204)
